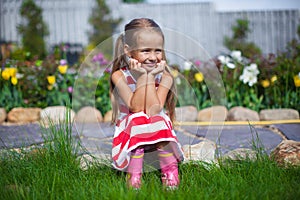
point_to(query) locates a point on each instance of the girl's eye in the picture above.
(158, 50)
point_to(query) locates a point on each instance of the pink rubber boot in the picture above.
(169, 169)
(135, 168)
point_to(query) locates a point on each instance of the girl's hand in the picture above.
(160, 68)
(136, 67)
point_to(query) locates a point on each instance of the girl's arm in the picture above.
(135, 101)
(156, 98)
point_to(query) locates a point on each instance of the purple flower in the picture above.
(70, 89)
(104, 62)
(98, 57)
(108, 70)
(62, 62)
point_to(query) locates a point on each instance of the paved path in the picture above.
(97, 137)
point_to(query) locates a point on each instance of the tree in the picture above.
(238, 41)
(33, 30)
(102, 23)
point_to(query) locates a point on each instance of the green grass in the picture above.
(53, 172)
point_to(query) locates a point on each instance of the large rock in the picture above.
(88, 114)
(3, 115)
(241, 154)
(242, 114)
(203, 151)
(287, 153)
(186, 113)
(214, 113)
(56, 115)
(24, 115)
(278, 114)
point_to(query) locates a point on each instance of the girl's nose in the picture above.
(152, 56)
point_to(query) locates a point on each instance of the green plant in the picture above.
(53, 172)
(238, 40)
(11, 94)
(102, 96)
(33, 29)
(191, 88)
(102, 27)
(281, 79)
(45, 82)
(91, 89)
(60, 91)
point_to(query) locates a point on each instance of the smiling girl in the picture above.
(143, 98)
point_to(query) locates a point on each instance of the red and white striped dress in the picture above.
(135, 129)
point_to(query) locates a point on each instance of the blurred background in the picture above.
(254, 43)
(272, 22)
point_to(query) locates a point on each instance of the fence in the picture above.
(68, 22)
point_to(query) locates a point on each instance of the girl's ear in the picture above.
(127, 50)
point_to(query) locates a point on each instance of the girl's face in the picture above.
(149, 49)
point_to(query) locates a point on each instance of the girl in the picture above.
(141, 86)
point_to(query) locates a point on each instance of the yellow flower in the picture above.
(9, 72)
(297, 81)
(199, 77)
(265, 83)
(62, 69)
(174, 73)
(5, 74)
(14, 80)
(90, 47)
(12, 71)
(273, 78)
(51, 79)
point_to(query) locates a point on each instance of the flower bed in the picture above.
(257, 83)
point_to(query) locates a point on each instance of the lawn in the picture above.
(53, 172)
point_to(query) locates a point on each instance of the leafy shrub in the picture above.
(33, 29)
(238, 41)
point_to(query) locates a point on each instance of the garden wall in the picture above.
(68, 22)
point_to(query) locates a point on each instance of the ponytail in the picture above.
(119, 52)
(117, 63)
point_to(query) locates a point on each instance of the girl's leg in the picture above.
(135, 168)
(169, 167)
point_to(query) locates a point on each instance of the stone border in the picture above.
(185, 114)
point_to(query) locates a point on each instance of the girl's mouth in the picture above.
(150, 64)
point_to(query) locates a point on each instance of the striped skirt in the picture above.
(138, 129)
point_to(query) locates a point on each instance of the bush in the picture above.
(238, 41)
(33, 29)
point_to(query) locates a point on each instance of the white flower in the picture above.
(187, 65)
(19, 76)
(236, 55)
(248, 77)
(299, 74)
(225, 60)
(250, 74)
(230, 65)
(253, 68)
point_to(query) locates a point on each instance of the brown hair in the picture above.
(129, 38)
